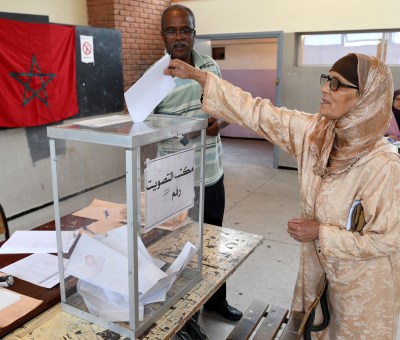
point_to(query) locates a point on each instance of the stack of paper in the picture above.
(40, 268)
(102, 267)
(37, 241)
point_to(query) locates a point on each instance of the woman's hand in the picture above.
(178, 68)
(303, 230)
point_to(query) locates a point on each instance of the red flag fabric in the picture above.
(37, 73)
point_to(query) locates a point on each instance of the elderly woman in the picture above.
(342, 158)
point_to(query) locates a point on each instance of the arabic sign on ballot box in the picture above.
(169, 187)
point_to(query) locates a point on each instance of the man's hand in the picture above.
(303, 230)
(213, 127)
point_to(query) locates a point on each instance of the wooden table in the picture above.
(223, 251)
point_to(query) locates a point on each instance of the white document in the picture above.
(100, 265)
(7, 298)
(169, 187)
(183, 259)
(149, 90)
(114, 306)
(117, 240)
(37, 241)
(158, 293)
(39, 269)
(106, 304)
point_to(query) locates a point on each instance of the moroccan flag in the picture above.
(37, 73)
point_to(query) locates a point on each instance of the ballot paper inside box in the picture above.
(137, 207)
(96, 262)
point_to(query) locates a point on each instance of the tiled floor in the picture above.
(259, 199)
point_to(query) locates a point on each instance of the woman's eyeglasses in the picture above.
(334, 83)
(184, 32)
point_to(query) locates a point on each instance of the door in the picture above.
(252, 61)
(249, 62)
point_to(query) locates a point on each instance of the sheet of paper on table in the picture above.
(37, 241)
(7, 298)
(39, 269)
(20, 306)
(109, 215)
(116, 217)
(103, 210)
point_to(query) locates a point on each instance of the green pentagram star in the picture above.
(29, 92)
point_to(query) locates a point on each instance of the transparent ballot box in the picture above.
(132, 194)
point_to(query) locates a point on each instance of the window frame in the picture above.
(386, 42)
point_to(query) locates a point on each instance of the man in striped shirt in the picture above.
(178, 32)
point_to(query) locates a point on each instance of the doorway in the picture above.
(249, 61)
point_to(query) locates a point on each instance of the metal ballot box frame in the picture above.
(76, 183)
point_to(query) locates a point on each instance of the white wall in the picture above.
(72, 12)
(232, 16)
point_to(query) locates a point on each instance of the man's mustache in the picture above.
(179, 44)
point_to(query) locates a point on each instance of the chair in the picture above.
(302, 323)
(3, 224)
(257, 323)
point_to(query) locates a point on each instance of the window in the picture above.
(218, 53)
(321, 49)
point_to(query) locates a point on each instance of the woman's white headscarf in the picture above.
(338, 144)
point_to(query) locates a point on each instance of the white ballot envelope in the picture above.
(149, 90)
(106, 304)
(116, 239)
(103, 279)
(100, 265)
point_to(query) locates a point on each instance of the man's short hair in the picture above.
(180, 7)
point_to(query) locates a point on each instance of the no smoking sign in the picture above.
(87, 48)
(87, 51)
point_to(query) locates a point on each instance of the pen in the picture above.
(6, 281)
(87, 229)
(106, 212)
